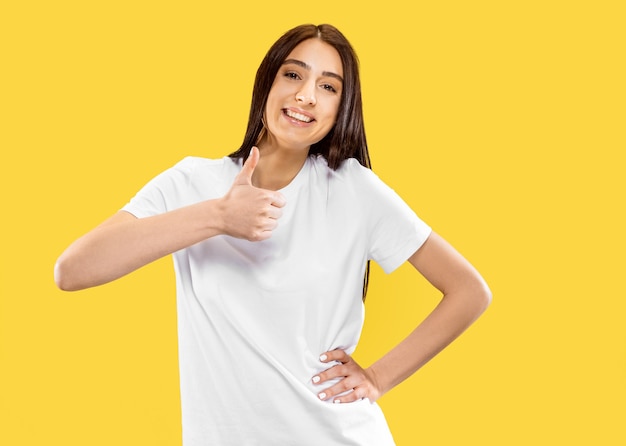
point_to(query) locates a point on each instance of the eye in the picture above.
(292, 75)
(329, 87)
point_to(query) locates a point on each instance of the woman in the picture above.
(271, 245)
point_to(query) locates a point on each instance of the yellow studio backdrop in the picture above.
(500, 123)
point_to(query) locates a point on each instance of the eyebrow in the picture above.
(308, 67)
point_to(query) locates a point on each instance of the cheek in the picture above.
(272, 110)
(334, 114)
(272, 98)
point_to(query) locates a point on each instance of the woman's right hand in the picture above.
(247, 211)
(124, 243)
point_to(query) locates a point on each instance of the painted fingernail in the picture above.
(323, 358)
(337, 401)
(316, 379)
(322, 396)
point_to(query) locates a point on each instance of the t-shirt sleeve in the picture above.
(164, 192)
(395, 230)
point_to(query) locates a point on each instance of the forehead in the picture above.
(319, 55)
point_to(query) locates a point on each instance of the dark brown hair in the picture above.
(347, 137)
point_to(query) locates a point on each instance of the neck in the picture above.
(277, 166)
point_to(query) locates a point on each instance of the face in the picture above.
(304, 99)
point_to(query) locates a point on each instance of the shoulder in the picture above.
(351, 183)
(354, 176)
(190, 180)
(194, 167)
(197, 163)
(349, 170)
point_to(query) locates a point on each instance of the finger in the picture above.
(327, 375)
(274, 212)
(336, 371)
(269, 225)
(245, 175)
(264, 235)
(345, 385)
(356, 395)
(278, 200)
(335, 355)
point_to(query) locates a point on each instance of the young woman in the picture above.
(271, 246)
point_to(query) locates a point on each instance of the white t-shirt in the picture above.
(254, 317)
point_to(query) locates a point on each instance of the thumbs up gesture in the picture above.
(249, 212)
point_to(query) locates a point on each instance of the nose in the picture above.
(306, 95)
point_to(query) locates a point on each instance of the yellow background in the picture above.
(501, 123)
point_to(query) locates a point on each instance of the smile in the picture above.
(298, 116)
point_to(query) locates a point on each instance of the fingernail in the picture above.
(337, 401)
(323, 358)
(322, 396)
(316, 379)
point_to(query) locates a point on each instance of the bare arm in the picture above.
(465, 297)
(124, 243)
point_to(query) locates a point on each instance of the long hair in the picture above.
(346, 139)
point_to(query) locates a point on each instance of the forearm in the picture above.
(124, 244)
(455, 313)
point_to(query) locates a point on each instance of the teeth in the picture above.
(297, 116)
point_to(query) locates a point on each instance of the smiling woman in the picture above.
(270, 248)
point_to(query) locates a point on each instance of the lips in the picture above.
(298, 116)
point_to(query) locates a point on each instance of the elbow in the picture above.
(476, 294)
(61, 278)
(64, 278)
(487, 298)
(483, 296)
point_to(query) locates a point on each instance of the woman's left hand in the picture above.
(353, 377)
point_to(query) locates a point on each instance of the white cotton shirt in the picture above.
(254, 317)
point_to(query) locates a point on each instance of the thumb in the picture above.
(245, 175)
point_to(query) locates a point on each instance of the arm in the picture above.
(124, 243)
(465, 297)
